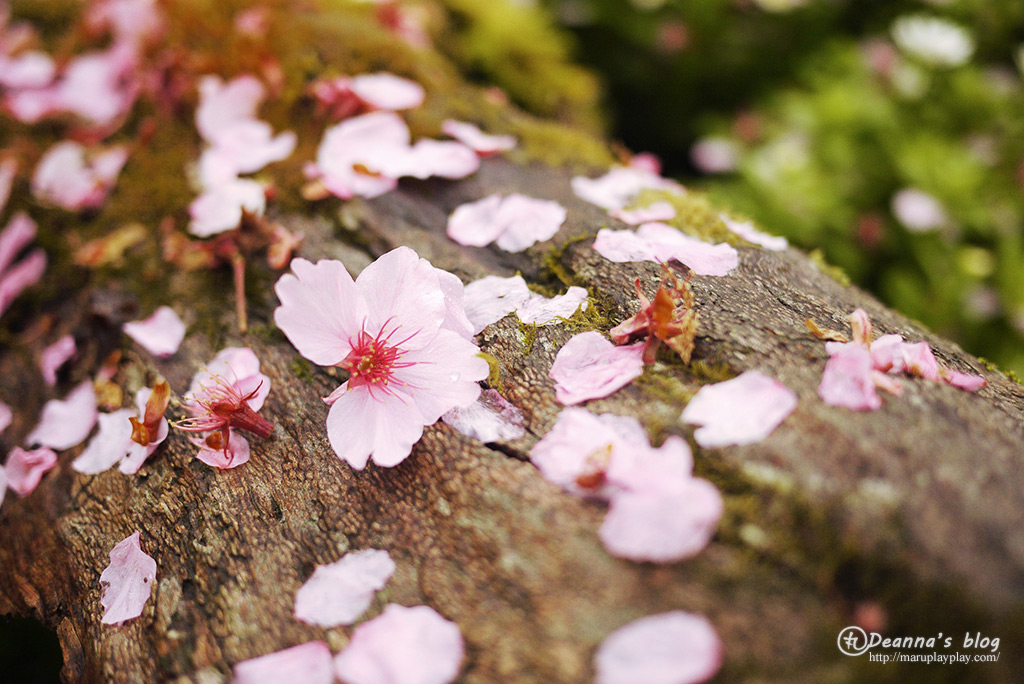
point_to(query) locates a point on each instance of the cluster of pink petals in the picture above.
(670, 648)
(347, 95)
(160, 334)
(855, 370)
(232, 376)
(26, 272)
(64, 423)
(617, 188)
(308, 663)
(743, 410)
(513, 222)
(747, 231)
(588, 366)
(402, 646)
(129, 581)
(367, 154)
(491, 418)
(54, 356)
(24, 469)
(401, 331)
(237, 143)
(492, 298)
(470, 135)
(657, 510)
(662, 243)
(73, 178)
(338, 593)
(113, 443)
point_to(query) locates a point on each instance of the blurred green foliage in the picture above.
(903, 163)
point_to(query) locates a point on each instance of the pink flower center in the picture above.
(373, 360)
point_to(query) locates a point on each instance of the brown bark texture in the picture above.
(913, 511)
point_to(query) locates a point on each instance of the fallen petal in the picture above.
(765, 404)
(338, 593)
(589, 367)
(491, 418)
(129, 578)
(65, 423)
(308, 663)
(670, 648)
(160, 334)
(24, 468)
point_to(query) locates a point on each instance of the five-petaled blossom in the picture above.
(227, 394)
(401, 332)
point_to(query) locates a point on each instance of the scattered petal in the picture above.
(514, 222)
(965, 381)
(847, 380)
(766, 403)
(216, 455)
(22, 275)
(220, 208)
(24, 468)
(617, 188)
(919, 360)
(349, 150)
(54, 356)
(670, 648)
(491, 418)
(539, 310)
(660, 242)
(129, 579)
(589, 367)
(160, 334)
(65, 178)
(483, 144)
(402, 646)
(338, 593)
(387, 91)
(65, 423)
(747, 231)
(308, 663)
(491, 298)
(108, 445)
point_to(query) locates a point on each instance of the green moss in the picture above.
(1008, 374)
(301, 368)
(551, 262)
(709, 372)
(834, 272)
(494, 372)
(529, 333)
(665, 387)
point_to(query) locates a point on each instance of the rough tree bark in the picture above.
(914, 507)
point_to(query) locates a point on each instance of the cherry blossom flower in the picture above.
(226, 395)
(402, 646)
(766, 403)
(670, 318)
(400, 331)
(617, 188)
(660, 242)
(65, 423)
(514, 222)
(338, 593)
(747, 231)
(26, 272)
(129, 581)
(849, 380)
(589, 367)
(54, 356)
(657, 211)
(670, 648)
(483, 144)
(657, 511)
(161, 334)
(24, 468)
(65, 178)
(491, 418)
(308, 663)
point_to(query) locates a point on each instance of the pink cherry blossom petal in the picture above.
(18, 233)
(444, 374)
(65, 423)
(475, 224)
(919, 360)
(701, 257)
(387, 91)
(237, 452)
(491, 298)
(765, 404)
(404, 288)
(623, 245)
(540, 310)
(249, 145)
(308, 663)
(664, 525)
(886, 354)
(98, 86)
(129, 581)
(25, 469)
(21, 276)
(220, 208)
(427, 158)
(65, 178)
(747, 231)
(109, 445)
(527, 221)
(350, 149)
(670, 648)
(6, 414)
(54, 356)
(338, 593)
(965, 381)
(589, 367)
(31, 69)
(8, 170)
(222, 105)
(388, 427)
(658, 211)
(236, 366)
(847, 380)
(491, 418)
(161, 334)
(619, 186)
(402, 646)
(456, 318)
(482, 143)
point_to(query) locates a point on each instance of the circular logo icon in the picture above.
(853, 641)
